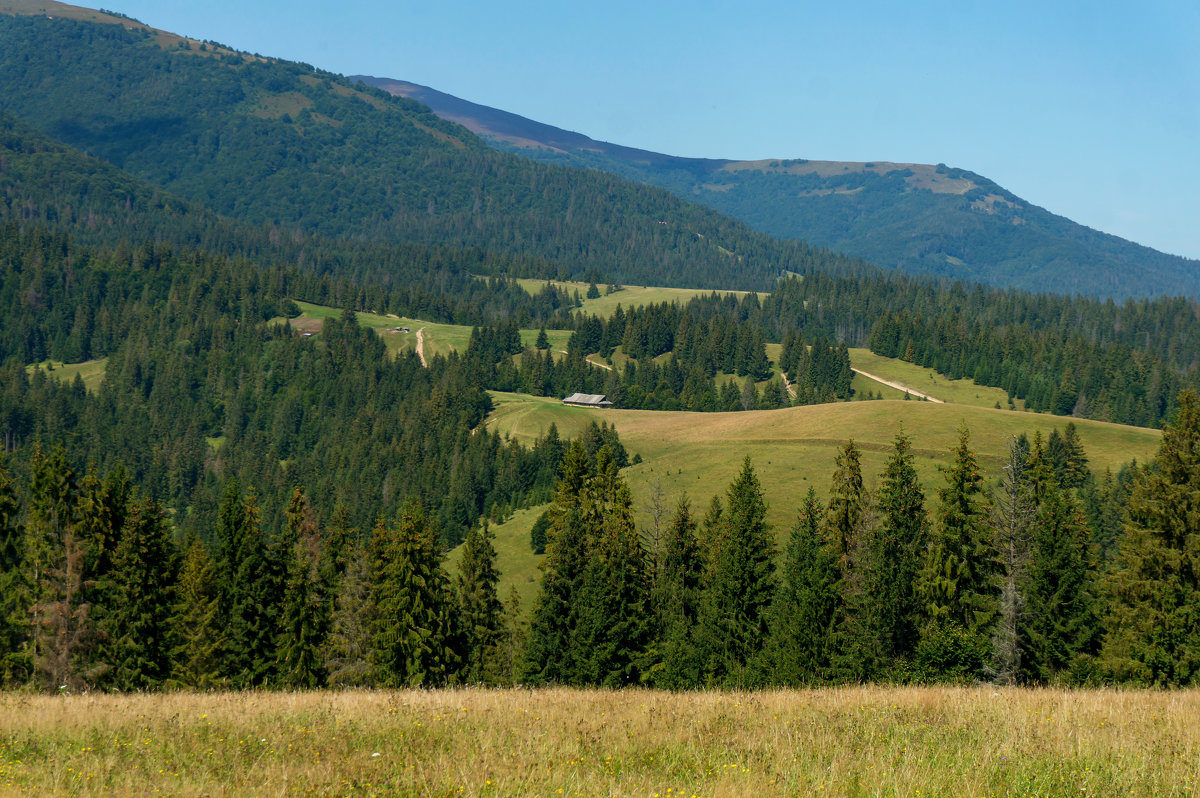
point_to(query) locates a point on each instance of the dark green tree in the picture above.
(197, 630)
(676, 602)
(1060, 618)
(138, 621)
(734, 610)
(414, 637)
(804, 611)
(1151, 634)
(895, 549)
(481, 615)
(304, 611)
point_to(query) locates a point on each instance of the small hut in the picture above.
(587, 400)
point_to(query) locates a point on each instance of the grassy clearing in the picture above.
(857, 741)
(630, 296)
(517, 562)
(700, 453)
(927, 381)
(440, 339)
(90, 371)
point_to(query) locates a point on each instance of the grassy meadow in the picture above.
(90, 371)
(628, 297)
(853, 741)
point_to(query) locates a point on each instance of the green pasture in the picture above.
(90, 371)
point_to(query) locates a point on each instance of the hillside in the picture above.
(918, 218)
(277, 143)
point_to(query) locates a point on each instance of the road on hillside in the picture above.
(898, 386)
(421, 346)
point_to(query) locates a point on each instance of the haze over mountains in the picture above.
(919, 218)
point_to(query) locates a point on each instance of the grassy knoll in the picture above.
(91, 371)
(700, 453)
(927, 381)
(629, 296)
(856, 741)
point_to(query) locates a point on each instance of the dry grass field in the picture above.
(855, 741)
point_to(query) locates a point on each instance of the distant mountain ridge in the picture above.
(918, 218)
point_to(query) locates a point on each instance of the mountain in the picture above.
(919, 218)
(278, 143)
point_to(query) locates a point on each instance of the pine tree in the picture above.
(957, 583)
(543, 343)
(413, 639)
(253, 600)
(138, 622)
(859, 645)
(676, 602)
(805, 608)
(567, 552)
(481, 615)
(197, 631)
(733, 616)
(611, 629)
(304, 611)
(348, 647)
(1014, 510)
(1151, 634)
(895, 551)
(1061, 621)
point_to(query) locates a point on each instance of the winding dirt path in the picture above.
(421, 346)
(899, 387)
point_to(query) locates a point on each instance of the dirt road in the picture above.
(899, 387)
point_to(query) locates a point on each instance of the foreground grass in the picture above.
(847, 741)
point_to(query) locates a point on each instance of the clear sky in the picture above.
(1091, 110)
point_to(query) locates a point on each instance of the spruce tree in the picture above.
(957, 585)
(1151, 634)
(253, 598)
(733, 615)
(481, 615)
(197, 631)
(413, 637)
(1014, 509)
(676, 602)
(611, 626)
(348, 647)
(304, 611)
(13, 614)
(804, 611)
(567, 552)
(895, 550)
(138, 622)
(1059, 596)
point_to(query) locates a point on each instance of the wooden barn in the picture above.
(587, 400)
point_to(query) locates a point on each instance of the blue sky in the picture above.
(1091, 110)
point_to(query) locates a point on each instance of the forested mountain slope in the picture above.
(919, 218)
(275, 142)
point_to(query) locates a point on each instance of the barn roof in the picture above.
(590, 399)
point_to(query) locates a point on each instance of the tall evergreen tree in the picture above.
(253, 600)
(481, 614)
(348, 647)
(13, 615)
(676, 601)
(1151, 633)
(1014, 509)
(1061, 620)
(138, 622)
(414, 639)
(304, 611)
(804, 611)
(567, 552)
(895, 550)
(197, 631)
(612, 626)
(733, 615)
(957, 584)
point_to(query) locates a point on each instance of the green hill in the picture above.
(792, 449)
(918, 218)
(278, 143)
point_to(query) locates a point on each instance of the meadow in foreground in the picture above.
(834, 741)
